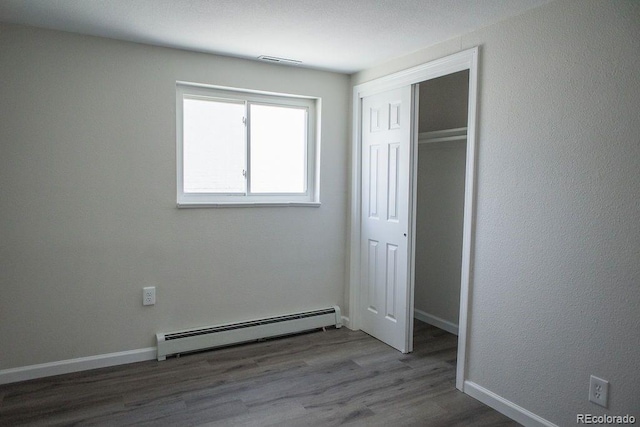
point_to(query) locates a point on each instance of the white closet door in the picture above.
(386, 142)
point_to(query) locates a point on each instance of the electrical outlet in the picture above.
(598, 391)
(149, 295)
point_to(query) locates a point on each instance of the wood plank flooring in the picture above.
(337, 377)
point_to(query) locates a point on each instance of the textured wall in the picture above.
(556, 281)
(88, 214)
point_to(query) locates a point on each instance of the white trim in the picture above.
(440, 67)
(248, 205)
(31, 372)
(506, 407)
(354, 220)
(464, 60)
(436, 321)
(346, 322)
(468, 231)
(235, 89)
(413, 209)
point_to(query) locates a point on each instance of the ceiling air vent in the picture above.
(277, 60)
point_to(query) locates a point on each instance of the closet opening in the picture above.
(441, 118)
(381, 271)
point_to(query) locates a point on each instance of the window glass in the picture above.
(213, 146)
(278, 149)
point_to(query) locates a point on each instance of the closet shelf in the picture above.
(457, 134)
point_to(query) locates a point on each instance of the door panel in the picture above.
(386, 142)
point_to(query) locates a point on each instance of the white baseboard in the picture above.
(31, 372)
(504, 406)
(436, 321)
(346, 322)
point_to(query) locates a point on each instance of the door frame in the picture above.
(464, 60)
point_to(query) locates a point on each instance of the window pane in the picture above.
(278, 155)
(213, 146)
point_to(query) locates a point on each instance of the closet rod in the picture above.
(457, 134)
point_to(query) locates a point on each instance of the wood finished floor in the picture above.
(337, 377)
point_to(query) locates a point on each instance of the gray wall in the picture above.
(556, 276)
(444, 102)
(440, 209)
(88, 213)
(441, 172)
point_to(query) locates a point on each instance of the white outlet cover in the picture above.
(598, 391)
(149, 295)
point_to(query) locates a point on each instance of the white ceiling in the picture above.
(339, 35)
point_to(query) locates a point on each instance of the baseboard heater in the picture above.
(175, 343)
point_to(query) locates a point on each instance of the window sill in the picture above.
(247, 204)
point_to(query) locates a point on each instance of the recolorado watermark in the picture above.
(605, 419)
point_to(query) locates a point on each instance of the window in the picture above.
(238, 147)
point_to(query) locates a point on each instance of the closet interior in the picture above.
(442, 145)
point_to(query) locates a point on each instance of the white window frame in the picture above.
(311, 197)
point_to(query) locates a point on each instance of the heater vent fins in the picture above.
(249, 324)
(234, 333)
